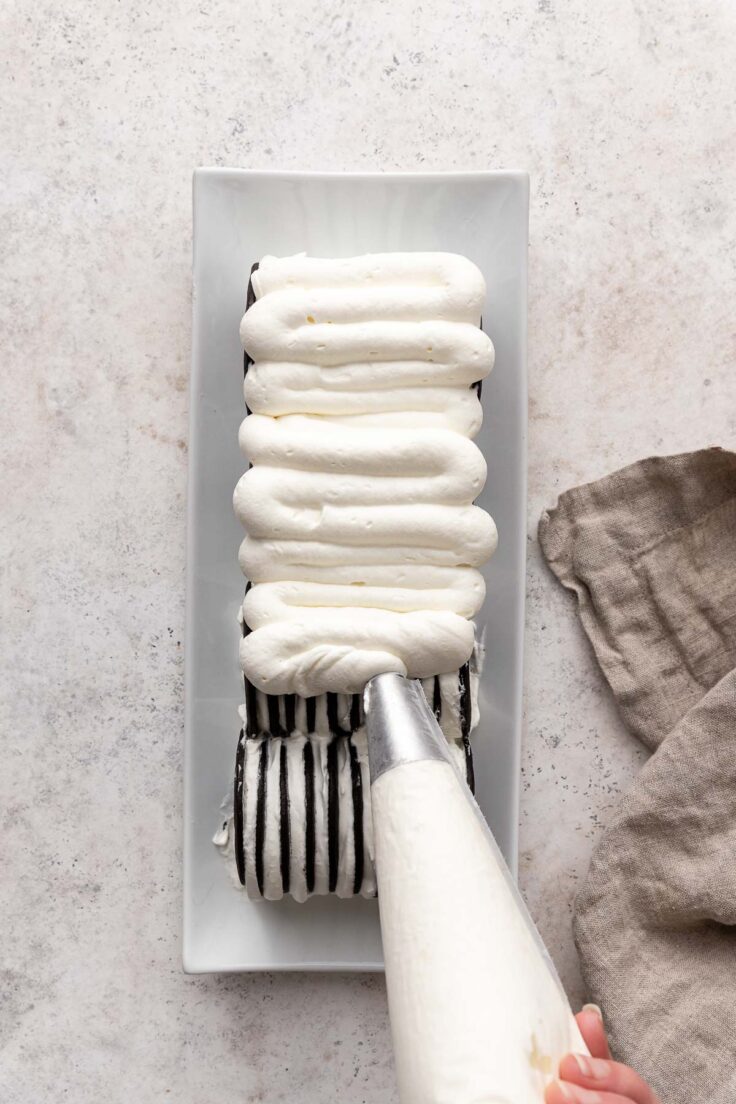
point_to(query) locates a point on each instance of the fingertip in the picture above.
(570, 1069)
(554, 1094)
(591, 1027)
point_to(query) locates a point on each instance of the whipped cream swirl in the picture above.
(362, 542)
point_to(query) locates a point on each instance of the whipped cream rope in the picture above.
(362, 537)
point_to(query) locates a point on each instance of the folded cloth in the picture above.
(650, 552)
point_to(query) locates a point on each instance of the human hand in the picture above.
(596, 1079)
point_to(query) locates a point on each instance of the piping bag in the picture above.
(478, 1013)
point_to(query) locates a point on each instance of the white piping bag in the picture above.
(478, 1013)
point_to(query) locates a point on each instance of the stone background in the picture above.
(623, 113)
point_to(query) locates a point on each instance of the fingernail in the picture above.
(567, 1092)
(594, 1068)
(576, 1095)
(593, 1008)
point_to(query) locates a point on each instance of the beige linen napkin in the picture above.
(650, 552)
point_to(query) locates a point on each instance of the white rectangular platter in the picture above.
(238, 217)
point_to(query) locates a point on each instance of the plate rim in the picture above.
(191, 962)
(356, 174)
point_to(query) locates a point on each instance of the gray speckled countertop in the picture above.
(623, 114)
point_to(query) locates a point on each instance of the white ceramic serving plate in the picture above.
(238, 217)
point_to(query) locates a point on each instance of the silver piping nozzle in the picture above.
(400, 725)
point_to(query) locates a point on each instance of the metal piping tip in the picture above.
(400, 725)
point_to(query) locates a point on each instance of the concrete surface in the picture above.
(623, 114)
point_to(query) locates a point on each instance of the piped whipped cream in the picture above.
(362, 542)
